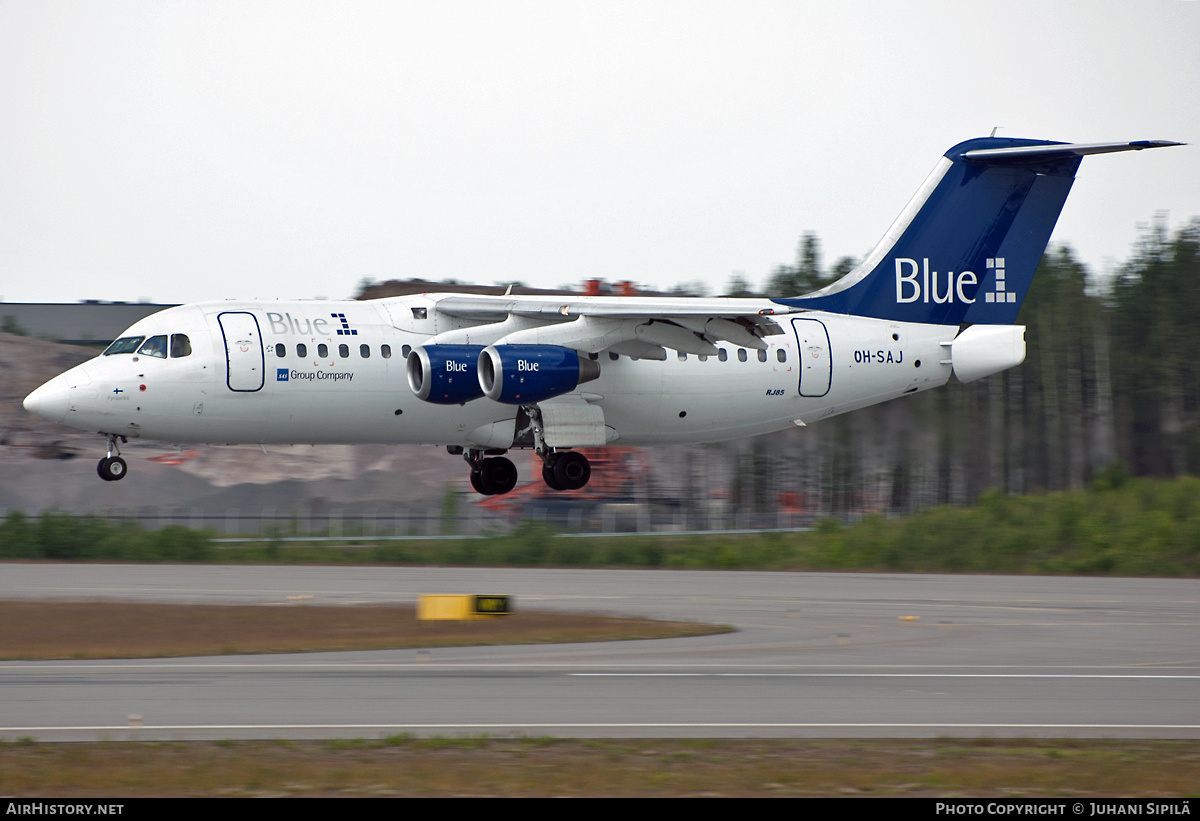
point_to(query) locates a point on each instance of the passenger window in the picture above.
(682, 356)
(406, 350)
(301, 350)
(741, 354)
(126, 344)
(281, 351)
(762, 356)
(344, 351)
(385, 351)
(364, 351)
(181, 346)
(722, 354)
(781, 355)
(613, 356)
(323, 350)
(703, 357)
(155, 346)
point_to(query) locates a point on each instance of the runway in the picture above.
(815, 655)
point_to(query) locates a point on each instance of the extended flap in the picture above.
(571, 422)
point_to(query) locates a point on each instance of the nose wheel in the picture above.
(112, 467)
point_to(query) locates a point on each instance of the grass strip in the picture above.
(1118, 527)
(105, 629)
(406, 766)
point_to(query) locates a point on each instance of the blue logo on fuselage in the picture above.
(281, 374)
(345, 330)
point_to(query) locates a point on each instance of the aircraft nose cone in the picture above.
(50, 401)
(33, 402)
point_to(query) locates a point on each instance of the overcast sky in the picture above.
(179, 151)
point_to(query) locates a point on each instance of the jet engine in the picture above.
(445, 374)
(523, 374)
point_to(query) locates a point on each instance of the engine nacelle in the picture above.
(522, 374)
(445, 374)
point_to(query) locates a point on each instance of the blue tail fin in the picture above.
(966, 246)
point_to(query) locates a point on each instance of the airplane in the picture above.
(937, 296)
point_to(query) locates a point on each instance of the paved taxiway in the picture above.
(816, 655)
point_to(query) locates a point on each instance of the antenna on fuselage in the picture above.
(995, 128)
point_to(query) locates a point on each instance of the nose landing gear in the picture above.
(112, 467)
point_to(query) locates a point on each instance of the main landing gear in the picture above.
(495, 475)
(561, 470)
(565, 470)
(112, 467)
(492, 476)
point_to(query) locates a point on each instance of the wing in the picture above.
(635, 326)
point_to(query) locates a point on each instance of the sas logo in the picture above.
(916, 282)
(281, 374)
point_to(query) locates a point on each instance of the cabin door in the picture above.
(243, 350)
(816, 365)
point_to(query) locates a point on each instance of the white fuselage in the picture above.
(301, 381)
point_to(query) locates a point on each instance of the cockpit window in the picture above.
(126, 344)
(181, 346)
(155, 346)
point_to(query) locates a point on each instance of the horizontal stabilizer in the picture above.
(1042, 152)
